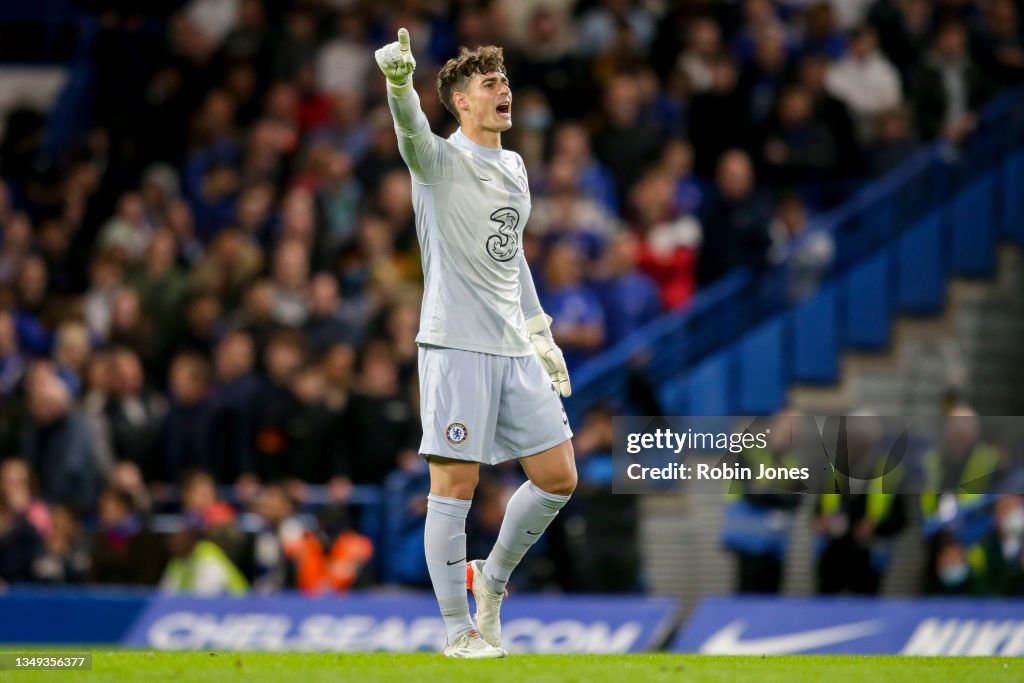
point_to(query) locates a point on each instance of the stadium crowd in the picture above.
(215, 285)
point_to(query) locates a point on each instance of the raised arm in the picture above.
(423, 152)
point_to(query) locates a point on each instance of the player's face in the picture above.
(489, 101)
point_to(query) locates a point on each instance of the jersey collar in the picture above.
(460, 140)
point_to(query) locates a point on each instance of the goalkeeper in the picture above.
(490, 373)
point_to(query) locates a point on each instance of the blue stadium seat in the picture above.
(762, 371)
(674, 396)
(816, 338)
(710, 386)
(868, 306)
(1011, 178)
(972, 243)
(920, 278)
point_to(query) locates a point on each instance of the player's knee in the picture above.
(562, 484)
(461, 487)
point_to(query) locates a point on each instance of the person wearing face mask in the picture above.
(953, 573)
(1000, 555)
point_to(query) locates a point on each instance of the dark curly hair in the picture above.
(458, 71)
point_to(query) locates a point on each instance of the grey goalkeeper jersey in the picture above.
(471, 205)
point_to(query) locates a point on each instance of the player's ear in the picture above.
(460, 101)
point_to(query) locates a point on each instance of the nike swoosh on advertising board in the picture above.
(728, 640)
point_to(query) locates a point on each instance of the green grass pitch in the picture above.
(252, 667)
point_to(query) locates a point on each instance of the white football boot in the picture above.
(488, 603)
(472, 646)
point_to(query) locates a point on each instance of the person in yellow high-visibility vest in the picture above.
(199, 567)
(857, 522)
(958, 471)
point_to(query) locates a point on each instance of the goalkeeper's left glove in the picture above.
(550, 355)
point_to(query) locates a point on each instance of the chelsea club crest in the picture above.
(457, 433)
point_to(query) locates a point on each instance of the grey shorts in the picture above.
(487, 409)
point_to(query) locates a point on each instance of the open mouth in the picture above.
(504, 109)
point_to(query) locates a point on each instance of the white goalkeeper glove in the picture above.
(397, 63)
(550, 355)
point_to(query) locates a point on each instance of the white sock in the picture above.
(444, 541)
(529, 512)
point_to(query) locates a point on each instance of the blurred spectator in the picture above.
(12, 363)
(703, 45)
(57, 442)
(280, 550)
(199, 567)
(578, 326)
(124, 550)
(233, 409)
(203, 510)
(798, 150)
(594, 180)
(379, 431)
(629, 298)
(135, 414)
(562, 212)
(956, 470)
(807, 253)
(623, 143)
(283, 358)
(865, 79)
(344, 63)
(856, 527)
(821, 34)
(546, 63)
(952, 573)
(71, 349)
(308, 429)
(291, 279)
(761, 78)
(20, 546)
(187, 437)
(894, 141)
(735, 217)
(31, 287)
(17, 245)
(719, 118)
(669, 238)
(599, 26)
(833, 114)
(161, 287)
(326, 325)
(948, 87)
(105, 280)
(999, 41)
(128, 232)
(759, 519)
(904, 28)
(998, 560)
(18, 489)
(65, 558)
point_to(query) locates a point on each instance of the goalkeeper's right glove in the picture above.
(397, 63)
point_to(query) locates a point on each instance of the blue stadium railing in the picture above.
(740, 343)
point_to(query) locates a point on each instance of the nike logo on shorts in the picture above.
(534, 533)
